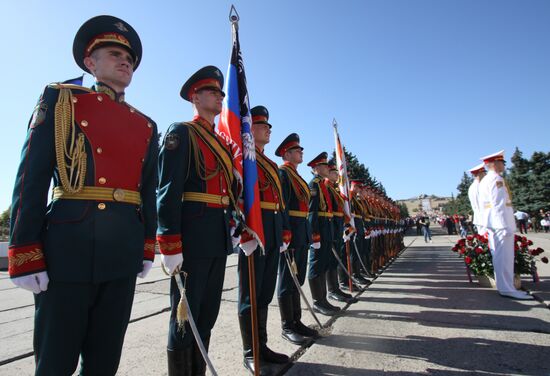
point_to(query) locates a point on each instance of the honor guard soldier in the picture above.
(277, 237)
(478, 172)
(320, 219)
(338, 221)
(358, 240)
(80, 254)
(194, 203)
(296, 198)
(498, 219)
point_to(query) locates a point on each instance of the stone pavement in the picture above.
(420, 317)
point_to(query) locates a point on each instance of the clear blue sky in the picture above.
(421, 89)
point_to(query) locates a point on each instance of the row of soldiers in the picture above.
(116, 195)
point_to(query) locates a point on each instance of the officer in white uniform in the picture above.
(478, 172)
(498, 219)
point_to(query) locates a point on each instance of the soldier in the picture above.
(498, 219)
(296, 198)
(320, 219)
(195, 199)
(478, 172)
(338, 221)
(277, 238)
(357, 242)
(80, 254)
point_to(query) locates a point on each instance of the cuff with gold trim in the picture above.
(287, 236)
(149, 249)
(27, 259)
(316, 237)
(170, 244)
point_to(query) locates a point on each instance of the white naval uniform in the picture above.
(498, 217)
(473, 195)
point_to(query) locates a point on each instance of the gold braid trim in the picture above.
(299, 186)
(272, 176)
(69, 146)
(225, 161)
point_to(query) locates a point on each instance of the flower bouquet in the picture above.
(474, 249)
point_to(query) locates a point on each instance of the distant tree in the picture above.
(5, 223)
(356, 170)
(462, 201)
(529, 181)
(518, 180)
(403, 210)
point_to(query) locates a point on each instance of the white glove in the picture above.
(249, 247)
(36, 282)
(347, 237)
(172, 263)
(234, 240)
(147, 265)
(316, 245)
(481, 230)
(284, 247)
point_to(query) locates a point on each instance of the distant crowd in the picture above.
(462, 225)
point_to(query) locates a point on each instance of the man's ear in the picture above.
(89, 63)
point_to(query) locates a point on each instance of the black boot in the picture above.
(298, 324)
(318, 293)
(334, 291)
(245, 324)
(266, 353)
(356, 276)
(180, 362)
(290, 332)
(199, 365)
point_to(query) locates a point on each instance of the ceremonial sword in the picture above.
(194, 329)
(297, 283)
(359, 257)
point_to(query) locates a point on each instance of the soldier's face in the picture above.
(261, 133)
(208, 100)
(333, 176)
(295, 156)
(112, 65)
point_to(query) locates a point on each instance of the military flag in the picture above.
(341, 164)
(234, 126)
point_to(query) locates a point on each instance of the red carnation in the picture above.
(454, 249)
(516, 247)
(469, 237)
(544, 259)
(468, 260)
(530, 242)
(462, 251)
(517, 238)
(479, 250)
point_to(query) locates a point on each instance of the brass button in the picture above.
(101, 206)
(99, 150)
(142, 160)
(75, 99)
(147, 141)
(225, 200)
(84, 123)
(100, 98)
(132, 109)
(277, 206)
(149, 125)
(139, 185)
(275, 211)
(102, 180)
(118, 194)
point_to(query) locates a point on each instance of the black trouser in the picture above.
(265, 271)
(286, 285)
(81, 319)
(204, 292)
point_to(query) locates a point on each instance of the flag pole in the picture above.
(234, 19)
